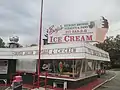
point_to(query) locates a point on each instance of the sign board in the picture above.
(69, 50)
(3, 66)
(84, 31)
(24, 65)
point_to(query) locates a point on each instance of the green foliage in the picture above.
(2, 44)
(112, 46)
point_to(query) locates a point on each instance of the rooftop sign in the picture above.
(84, 31)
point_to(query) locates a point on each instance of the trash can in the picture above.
(17, 83)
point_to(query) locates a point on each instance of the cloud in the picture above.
(21, 17)
(69, 11)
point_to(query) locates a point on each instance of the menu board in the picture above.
(3, 66)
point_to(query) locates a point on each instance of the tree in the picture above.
(117, 42)
(107, 44)
(112, 46)
(2, 44)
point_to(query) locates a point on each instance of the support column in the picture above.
(65, 85)
(81, 68)
(86, 65)
(73, 68)
(54, 85)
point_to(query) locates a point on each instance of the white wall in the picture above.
(81, 50)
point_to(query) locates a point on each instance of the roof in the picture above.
(77, 50)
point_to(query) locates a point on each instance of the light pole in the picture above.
(40, 35)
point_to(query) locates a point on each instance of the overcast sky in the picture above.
(21, 17)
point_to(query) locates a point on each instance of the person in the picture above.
(60, 66)
(17, 83)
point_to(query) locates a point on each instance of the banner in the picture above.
(85, 31)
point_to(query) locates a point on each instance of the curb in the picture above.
(105, 82)
(7, 88)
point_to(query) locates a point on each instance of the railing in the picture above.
(4, 80)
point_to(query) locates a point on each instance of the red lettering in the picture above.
(77, 38)
(72, 31)
(82, 38)
(55, 39)
(85, 30)
(71, 38)
(67, 32)
(59, 39)
(81, 30)
(51, 38)
(77, 31)
(66, 38)
(89, 38)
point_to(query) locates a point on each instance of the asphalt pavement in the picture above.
(113, 84)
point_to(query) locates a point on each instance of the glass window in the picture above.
(56, 67)
(84, 65)
(89, 66)
(78, 67)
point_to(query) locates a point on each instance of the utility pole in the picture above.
(40, 36)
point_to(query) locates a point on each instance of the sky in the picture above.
(22, 17)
